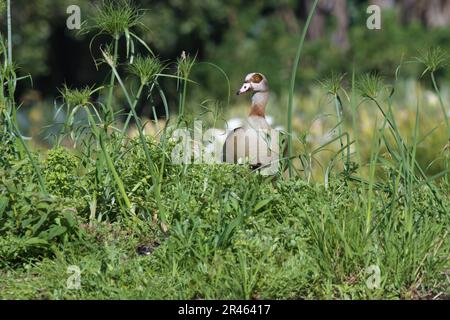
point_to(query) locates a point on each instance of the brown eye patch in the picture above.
(256, 78)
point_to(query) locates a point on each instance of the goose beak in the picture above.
(245, 87)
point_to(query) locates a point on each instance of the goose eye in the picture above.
(245, 87)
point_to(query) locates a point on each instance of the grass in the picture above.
(312, 246)
(351, 203)
(292, 85)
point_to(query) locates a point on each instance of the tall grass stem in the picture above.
(292, 85)
(9, 32)
(112, 80)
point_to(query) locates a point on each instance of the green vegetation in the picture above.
(366, 196)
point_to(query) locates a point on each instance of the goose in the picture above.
(255, 142)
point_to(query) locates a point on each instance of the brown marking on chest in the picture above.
(257, 110)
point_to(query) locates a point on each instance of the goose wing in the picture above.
(232, 147)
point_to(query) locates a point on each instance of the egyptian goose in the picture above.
(255, 142)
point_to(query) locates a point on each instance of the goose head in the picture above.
(254, 82)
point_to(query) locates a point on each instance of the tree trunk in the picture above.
(317, 27)
(433, 13)
(437, 13)
(383, 4)
(340, 36)
(325, 8)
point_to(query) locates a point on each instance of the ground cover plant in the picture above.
(363, 215)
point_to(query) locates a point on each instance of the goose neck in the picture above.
(259, 102)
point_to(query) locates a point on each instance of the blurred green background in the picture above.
(239, 37)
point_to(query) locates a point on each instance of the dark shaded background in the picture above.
(238, 36)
